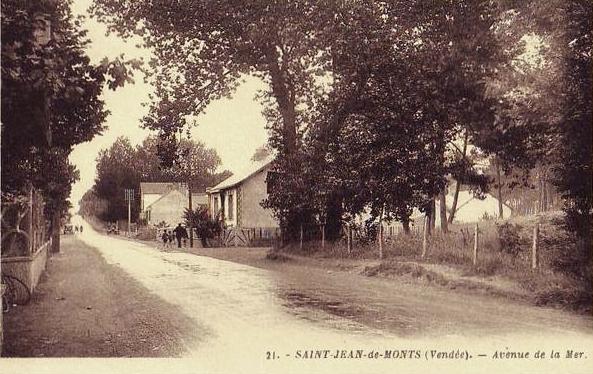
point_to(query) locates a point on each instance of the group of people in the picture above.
(77, 228)
(179, 233)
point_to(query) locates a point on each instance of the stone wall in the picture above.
(1, 313)
(27, 268)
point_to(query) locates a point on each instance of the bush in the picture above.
(206, 227)
(509, 238)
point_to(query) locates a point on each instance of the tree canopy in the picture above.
(368, 100)
(123, 166)
(50, 96)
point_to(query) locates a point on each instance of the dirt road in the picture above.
(84, 307)
(224, 316)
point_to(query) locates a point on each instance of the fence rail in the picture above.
(467, 243)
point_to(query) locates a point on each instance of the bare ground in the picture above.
(84, 307)
(343, 288)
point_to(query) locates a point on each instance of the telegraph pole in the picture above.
(129, 196)
(191, 229)
(189, 196)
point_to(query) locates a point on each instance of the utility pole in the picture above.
(189, 196)
(191, 229)
(129, 196)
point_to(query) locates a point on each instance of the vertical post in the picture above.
(534, 253)
(425, 235)
(129, 217)
(301, 239)
(191, 229)
(476, 239)
(349, 238)
(322, 236)
(30, 223)
(381, 240)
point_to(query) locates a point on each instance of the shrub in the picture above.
(509, 238)
(206, 227)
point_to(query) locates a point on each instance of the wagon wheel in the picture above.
(17, 292)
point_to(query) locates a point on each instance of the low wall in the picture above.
(27, 268)
(1, 313)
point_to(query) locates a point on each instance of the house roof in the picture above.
(242, 175)
(158, 187)
(198, 198)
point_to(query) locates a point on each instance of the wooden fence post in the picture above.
(534, 252)
(349, 238)
(476, 240)
(381, 241)
(322, 236)
(425, 235)
(301, 239)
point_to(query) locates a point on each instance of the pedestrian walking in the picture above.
(165, 239)
(180, 233)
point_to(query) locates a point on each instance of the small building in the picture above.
(167, 202)
(237, 199)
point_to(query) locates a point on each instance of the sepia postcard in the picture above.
(296, 186)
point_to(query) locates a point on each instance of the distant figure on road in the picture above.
(75, 228)
(165, 238)
(81, 229)
(180, 233)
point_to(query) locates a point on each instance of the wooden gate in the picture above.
(235, 237)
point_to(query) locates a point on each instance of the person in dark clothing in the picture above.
(180, 233)
(165, 238)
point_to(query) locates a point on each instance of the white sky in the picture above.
(234, 128)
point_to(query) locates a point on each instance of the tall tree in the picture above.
(410, 82)
(50, 97)
(202, 49)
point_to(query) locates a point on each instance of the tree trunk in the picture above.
(457, 184)
(454, 203)
(427, 223)
(333, 223)
(406, 225)
(380, 234)
(283, 91)
(443, 211)
(545, 199)
(499, 191)
(55, 231)
(433, 214)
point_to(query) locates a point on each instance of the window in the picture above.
(215, 212)
(230, 207)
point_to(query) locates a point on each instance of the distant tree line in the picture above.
(123, 166)
(374, 105)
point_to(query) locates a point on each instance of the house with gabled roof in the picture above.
(167, 201)
(237, 199)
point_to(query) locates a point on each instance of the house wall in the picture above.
(149, 198)
(214, 204)
(230, 218)
(253, 192)
(169, 209)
